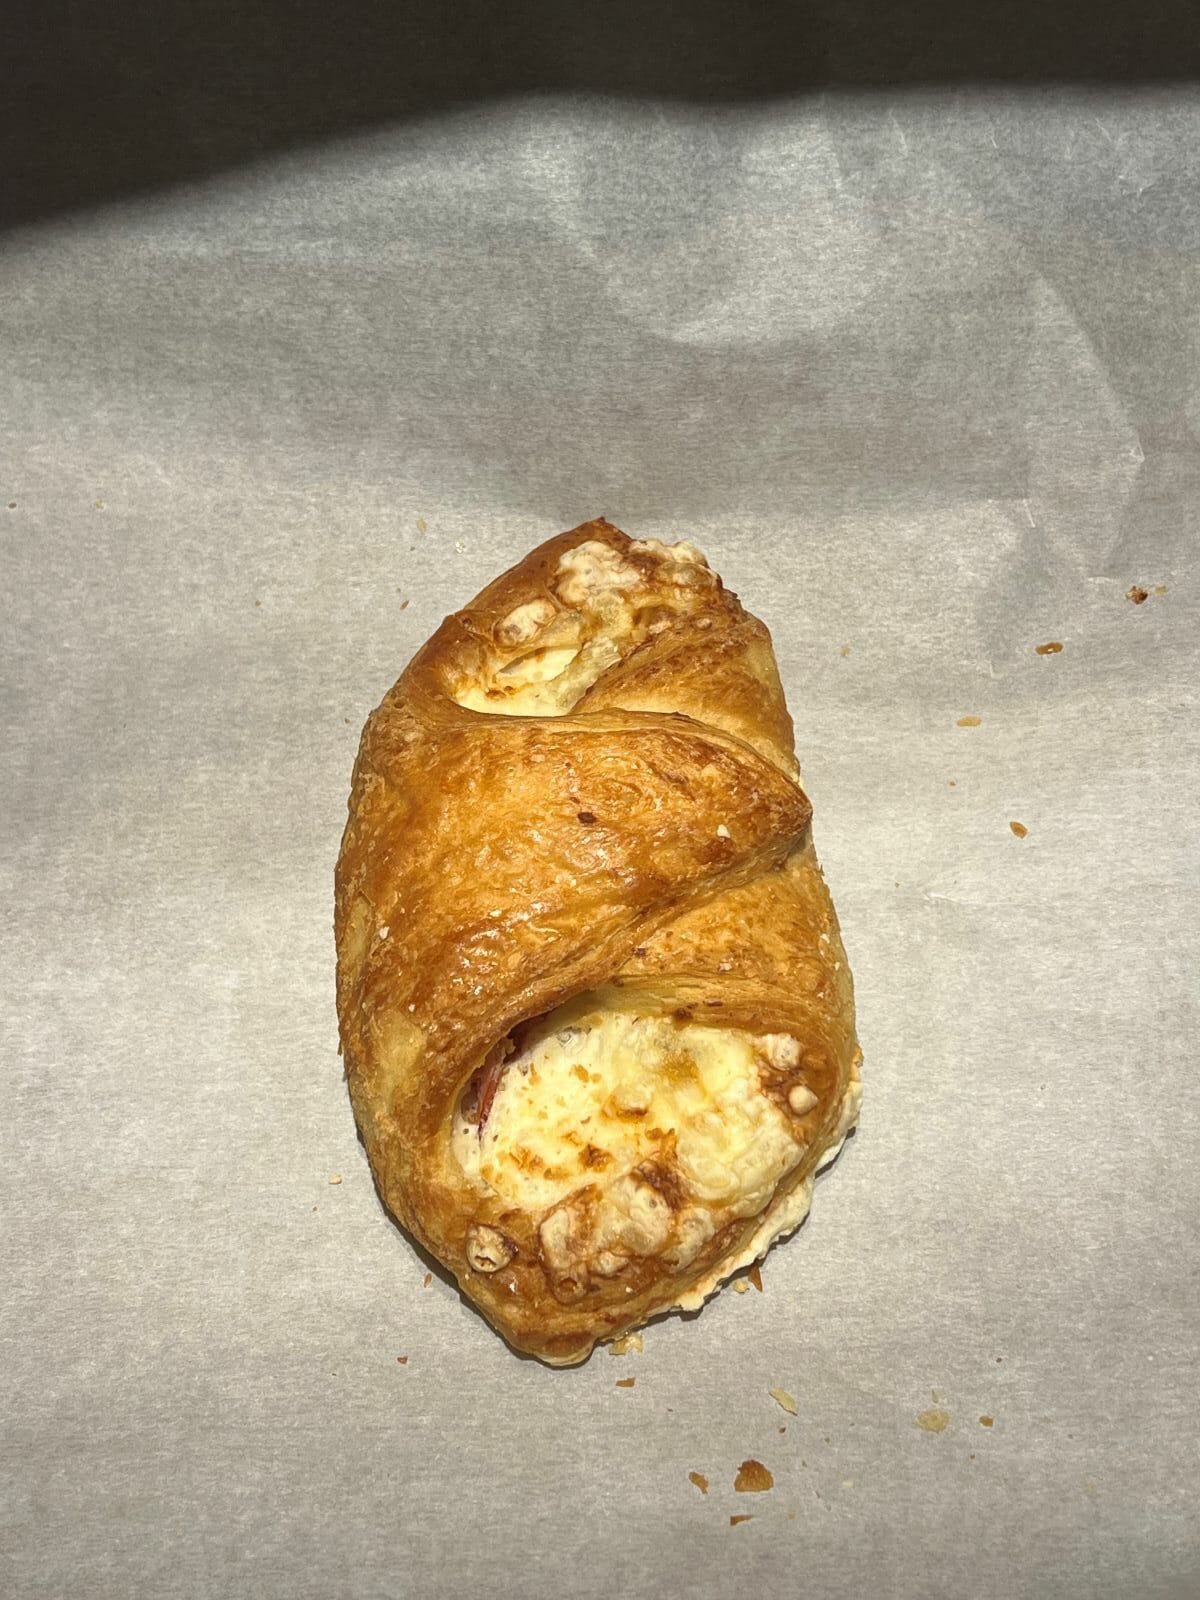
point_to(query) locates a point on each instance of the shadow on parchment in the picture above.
(98, 101)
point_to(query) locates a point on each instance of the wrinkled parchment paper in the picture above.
(922, 377)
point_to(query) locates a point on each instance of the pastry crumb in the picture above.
(987, 1422)
(969, 722)
(753, 1478)
(335, 1177)
(699, 1480)
(626, 1343)
(740, 1286)
(755, 1277)
(1137, 594)
(933, 1421)
(427, 1280)
(1052, 649)
(1159, 588)
(845, 649)
(746, 1516)
(626, 1383)
(1019, 829)
(403, 1360)
(422, 525)
(404, 605)
(782, 1398)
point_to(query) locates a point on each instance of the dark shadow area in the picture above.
(104, 100)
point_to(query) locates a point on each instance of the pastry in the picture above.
(597, 1021)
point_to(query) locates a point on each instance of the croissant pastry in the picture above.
(597, 1021)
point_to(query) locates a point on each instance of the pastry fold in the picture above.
(596, 1018)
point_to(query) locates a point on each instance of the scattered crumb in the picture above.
(626, 1383)
(847, 1483)
(954, 783)
(99, 505)
(784, 1399)
(428, 1279)
(1159, 588)
(12, 505)
(745, 1517)
(699, 1480)
(258, 602)
(783, 1427)
(753, 1478)
(740, 1286)
(934, 1421)
(335, 1177)
(1051, 649)
(404, 605)
(422, 525)
(969, 722)
(1019, 829)
(755, 1277)
(1137, 594)
(986, 1422)
(459, 546)
(845, 649)
(934, 1396)
(626, 1343)
(403, 1360)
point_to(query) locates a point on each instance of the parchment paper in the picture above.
(921, 375)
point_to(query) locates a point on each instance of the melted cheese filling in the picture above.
(549, 654)
(631, 1136)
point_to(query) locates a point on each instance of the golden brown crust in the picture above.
(653, 839)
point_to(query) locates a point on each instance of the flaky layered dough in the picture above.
(578, 854)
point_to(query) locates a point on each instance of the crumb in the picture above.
(314, 1208)
(699, 1480)
(459, 546)
(586, 817)
(753, 1478)
(969, 722)
(986, 1422)
(1019, 829)
(740, 1286)
(258, 602)
(335, 1177)
(626, 1343)
(783, 1398)
(626, 1383)
(934, 1396)
(847, 1483)
(12, 505)
(403, 1360)
(755, 1277)
(1051, 649)
(421, 525)
(1159, 588)
(1137, 594)
(845, 649)
(404, 605)
(934, 1421)
(783, 1427)
(745, 1517)
(953, 783)
(428, 1279)
(99, 505)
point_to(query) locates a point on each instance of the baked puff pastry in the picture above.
(596, 1017)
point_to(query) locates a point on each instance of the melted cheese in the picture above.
(664, 1125)
(603, 612)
